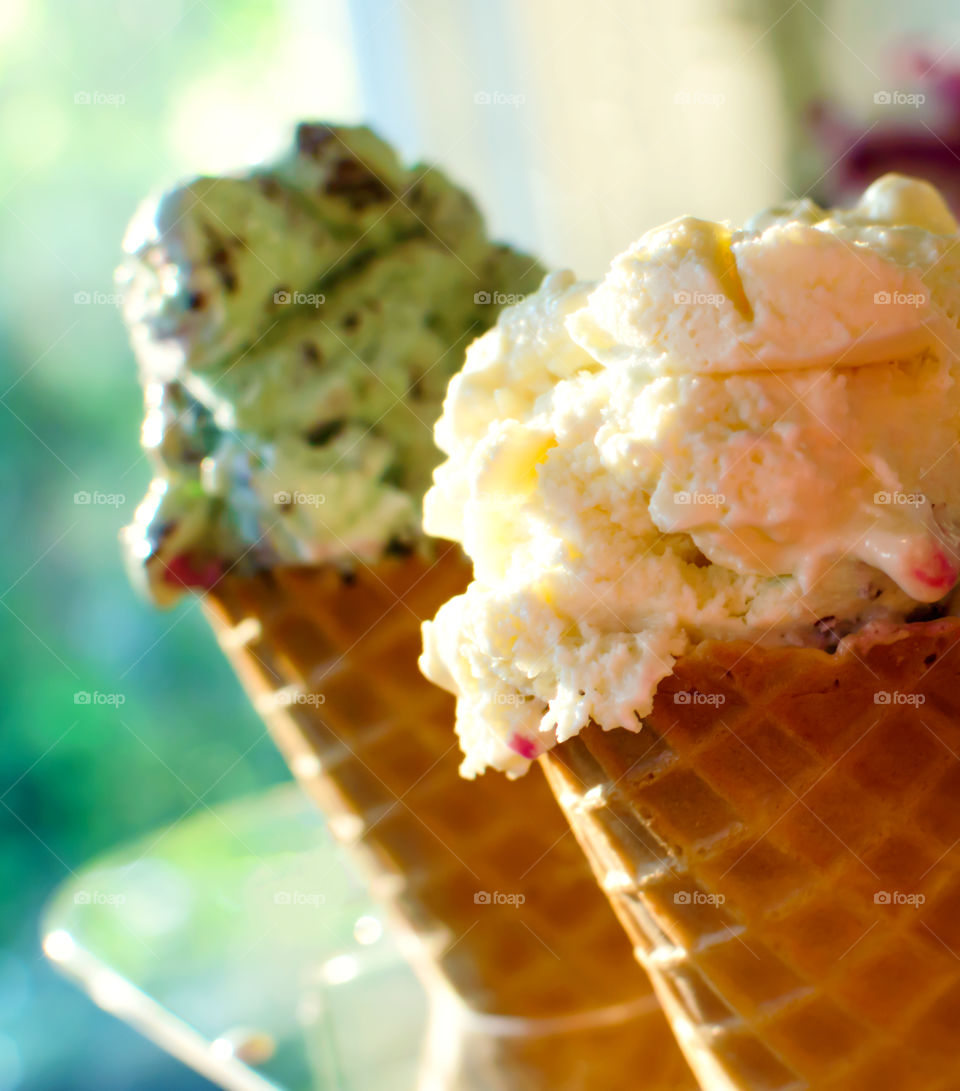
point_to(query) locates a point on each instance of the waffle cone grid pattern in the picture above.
(380, 757)
(781, 841)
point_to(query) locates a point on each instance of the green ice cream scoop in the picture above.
(295, 329)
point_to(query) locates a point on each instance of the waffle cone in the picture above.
(533, 981)
(781, 841)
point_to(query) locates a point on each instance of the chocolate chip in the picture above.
(930, 659)
(312, 138)
(323, 433)
(357, 184)
(268, 578)
(831, 632)
(311, 352)
(929, 611)
(222, 266)
(159, 531)
(393, 475)
(398, 547)
(268, 186)
(351, 321)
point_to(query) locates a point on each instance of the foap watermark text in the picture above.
(99, 98)
(698, 897)
(288, 697)
(498, 299)
(499, 98)
(693, 498)
(695, 697)
(98, 897)
(284, 298)
(899, 98)
(684, 298)
(900, 499)
(898, 897)
(288, 500)
(895, 697)
(86, 297)
(900, 299)
(299, 897)
(88, 697)
(498, 897)
(99, 499)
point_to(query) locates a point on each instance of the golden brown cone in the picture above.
(781, 841)
(380, 757)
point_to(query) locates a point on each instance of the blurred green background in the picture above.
(101, 103)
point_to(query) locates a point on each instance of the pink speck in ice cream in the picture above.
(523, 746)
(939, 573)
(184, 571)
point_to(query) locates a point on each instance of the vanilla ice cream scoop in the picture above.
(739, 433)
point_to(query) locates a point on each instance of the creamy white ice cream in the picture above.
(738, 433)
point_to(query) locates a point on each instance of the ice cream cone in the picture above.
(780, 842)
(295, 327)
(713, 506)
(531, 980)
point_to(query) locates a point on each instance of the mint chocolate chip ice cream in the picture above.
(295, 328)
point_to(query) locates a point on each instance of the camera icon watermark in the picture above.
(895, 697)
(899, 98)
(901, 299)
(498, 299)
(299, 897)
(684, 298)
(695, 697)
(282, 297)
(497, 897)
(94, 697)
(694, 498)
(99, 98)
(290, 695)
(897, 897)
(498, 98)
(99, 499)
(85, 297)
(98, 897)
(286, 501)
(698, 897)
(900, 499)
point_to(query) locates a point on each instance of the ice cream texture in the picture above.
(295, 328)
(738, 433)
